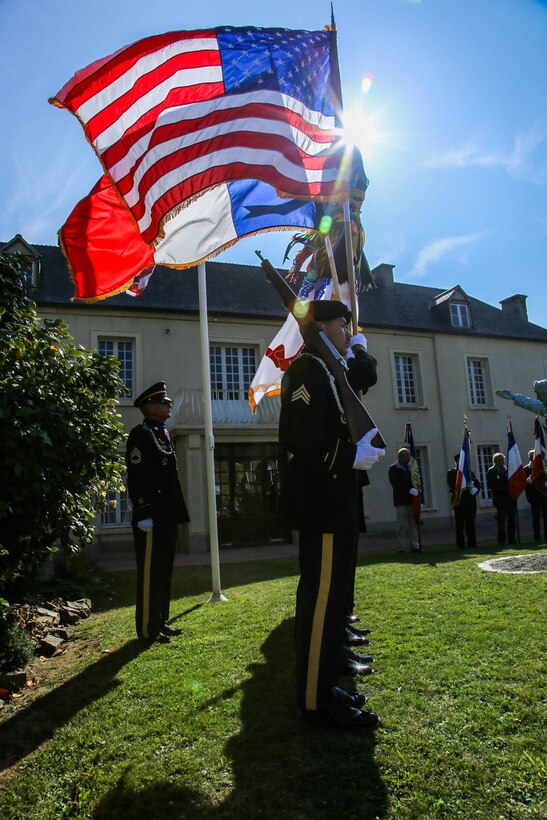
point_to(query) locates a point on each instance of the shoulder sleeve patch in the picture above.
(135, 456)
(301, 394)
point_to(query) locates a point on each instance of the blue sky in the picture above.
(448, 97)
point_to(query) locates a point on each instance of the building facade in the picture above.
(441, 355)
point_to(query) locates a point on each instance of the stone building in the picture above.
(441, 355)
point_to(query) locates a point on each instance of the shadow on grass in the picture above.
(283, 767)
(28, 729)
(119, 587)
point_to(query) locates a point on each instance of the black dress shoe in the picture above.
(171, 630)
(356, 699)
(354, 657)
(351, 639)
(362, 631)
(354, 619)
(162, 638)
(352, 669)
(340, 714)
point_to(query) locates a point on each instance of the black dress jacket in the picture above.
(320, 492)
(152, 478)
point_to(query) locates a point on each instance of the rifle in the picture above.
(357, 416)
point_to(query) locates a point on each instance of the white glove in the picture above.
(474, 490)
(414, 491)
(358, 339)
(366, 454)
(146, 524)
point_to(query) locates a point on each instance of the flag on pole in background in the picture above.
(463, 476)
(538, 475)
(415, 473)
(515, 470)
(177, 116)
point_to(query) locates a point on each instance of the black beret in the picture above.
(323, 310)
(158, 392)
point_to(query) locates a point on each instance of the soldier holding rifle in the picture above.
(321, 496)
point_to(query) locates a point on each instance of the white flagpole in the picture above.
(209, 437)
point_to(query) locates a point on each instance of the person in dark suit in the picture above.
(320, 498)
(158, 507)
(466, 508)
(498, 483)
(537, 500)
(400, 478)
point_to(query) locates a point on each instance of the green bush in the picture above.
(16, 646)
(60, 432)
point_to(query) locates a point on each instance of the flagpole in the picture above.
(332, 266)
(209, 437)
(351, 271)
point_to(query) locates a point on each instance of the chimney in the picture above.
(515, 306)
(382, 275)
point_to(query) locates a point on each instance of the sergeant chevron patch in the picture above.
(135, 456)
(301, 394)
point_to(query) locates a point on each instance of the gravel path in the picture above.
(536, 562)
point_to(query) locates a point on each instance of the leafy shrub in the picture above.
(16, 646)
(59, 428)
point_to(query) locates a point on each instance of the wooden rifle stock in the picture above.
(357, 416)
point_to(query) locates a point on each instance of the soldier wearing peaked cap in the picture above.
(158, 507)
(321, 501)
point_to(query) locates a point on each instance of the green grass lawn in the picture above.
(205, 727)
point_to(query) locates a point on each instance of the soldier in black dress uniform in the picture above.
(158, 507)
(320, 496)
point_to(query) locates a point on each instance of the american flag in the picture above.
(175, 115)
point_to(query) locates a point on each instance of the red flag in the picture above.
(515, 470)
(102, 245)
(538, 475)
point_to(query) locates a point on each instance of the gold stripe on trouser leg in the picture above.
(146, 584)
(319, 621)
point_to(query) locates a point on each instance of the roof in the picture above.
(243, 291)
(412, 307)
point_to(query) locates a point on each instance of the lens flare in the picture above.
(366, 83)
(300, 310)
(325, 224)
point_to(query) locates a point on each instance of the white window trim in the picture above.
(488, 382)
(483, 503)
(421, 404)
(460, 305)
(136, 337)
(236, 341)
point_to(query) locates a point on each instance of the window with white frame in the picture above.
(422, 461)
(485, 459)
(232, 371)
(459, 315)
(117, 510)
(478, 379)
(406, 379)
(124, 351)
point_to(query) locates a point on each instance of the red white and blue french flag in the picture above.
(515, 470)
(463, 476)
(181, 117)
(538, 476)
